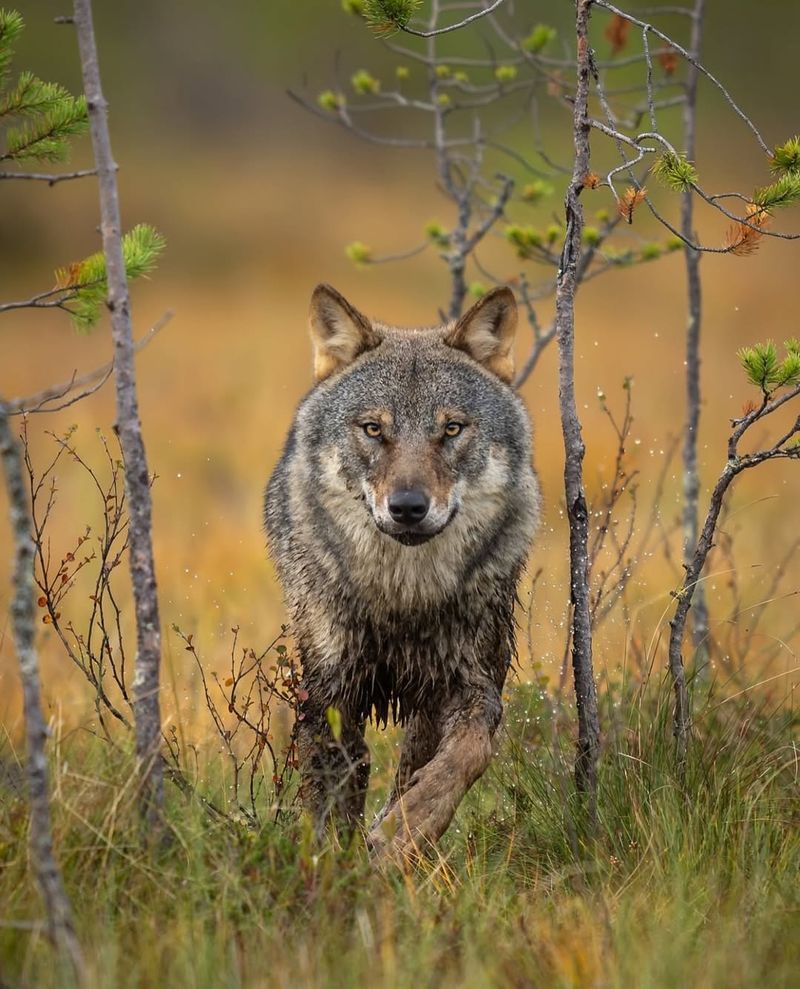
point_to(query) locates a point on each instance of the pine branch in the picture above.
(11, 27)
(46, 137)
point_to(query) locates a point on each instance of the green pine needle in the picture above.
(85, 285)
(763, 369)
(387, 17)
(784, 192)
(45, 138)
(786, 157)
(675, 171)
(11, 27)
(32, 97)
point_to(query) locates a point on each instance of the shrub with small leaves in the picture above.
(591, 236)
(539, 38)
(553, 233)
(358, 253)
(329, 100)
(365, 83)
(535, 191)
(651, 251)
(436, 232)
(505, 73)
(523, 239)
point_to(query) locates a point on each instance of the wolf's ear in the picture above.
(486, 332)
(339, 332)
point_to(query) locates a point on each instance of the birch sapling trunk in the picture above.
(577, 512)
(691, 480)
(146, 704)
(23, 622)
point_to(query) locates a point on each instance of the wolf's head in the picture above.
(412, 428)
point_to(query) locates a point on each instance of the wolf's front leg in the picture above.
(422, 737)
(335, 772)
(424, 809)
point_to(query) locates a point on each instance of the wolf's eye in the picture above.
(453, 428)
(372, 429)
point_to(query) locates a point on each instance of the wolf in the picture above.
(400, 517)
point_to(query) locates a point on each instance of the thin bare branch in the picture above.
(432, 33)
(50, 179)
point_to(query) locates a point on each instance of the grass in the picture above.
(692, 885)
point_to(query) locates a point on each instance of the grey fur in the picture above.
(423, 634)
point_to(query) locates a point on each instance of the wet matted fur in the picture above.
(400, 516)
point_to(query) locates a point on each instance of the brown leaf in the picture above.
(229, 682)
(743, 239)
(617, 32)
(591, 180)
(41, 601)
(69, 276)
(555, 84)
(668, 60)
(628, 202)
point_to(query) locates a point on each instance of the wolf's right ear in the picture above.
(339, 332)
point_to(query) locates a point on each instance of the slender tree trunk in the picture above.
(137, 482)
(23, 621)
(677, 627)
(691, 480)
(577, 512)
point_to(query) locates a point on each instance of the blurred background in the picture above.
(257, 198)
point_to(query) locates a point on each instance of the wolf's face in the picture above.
(412, 460)
(414, 428)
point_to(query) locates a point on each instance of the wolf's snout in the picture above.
(408, 506)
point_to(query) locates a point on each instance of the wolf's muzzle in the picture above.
(408, 506)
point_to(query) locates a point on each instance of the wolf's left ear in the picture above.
(339, 332)
(486, 332)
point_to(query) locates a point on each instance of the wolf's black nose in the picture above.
(409, 507)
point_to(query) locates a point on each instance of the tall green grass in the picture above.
(691, 885)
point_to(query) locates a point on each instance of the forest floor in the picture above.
(691, 885)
